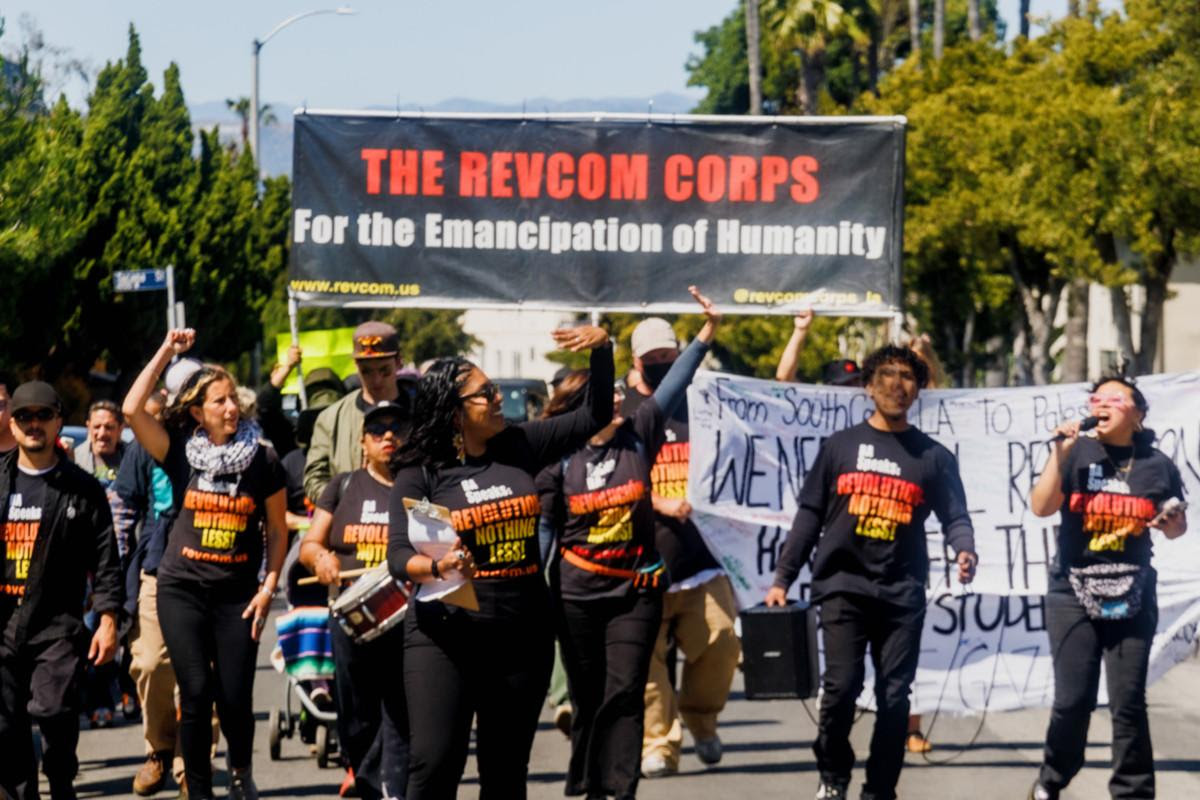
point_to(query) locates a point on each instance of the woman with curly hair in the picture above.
(494, 663)
(608, 577)
(1111, 488)
(227, 487)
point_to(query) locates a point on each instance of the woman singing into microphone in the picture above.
(1111, 488)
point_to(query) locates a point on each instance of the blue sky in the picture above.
(406, 52)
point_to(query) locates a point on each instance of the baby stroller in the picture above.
(304, 654)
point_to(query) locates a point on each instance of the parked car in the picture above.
(524, 398)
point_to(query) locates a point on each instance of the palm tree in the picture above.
(753, 57)
(241, 107)
(914, 25)
(805, 27)
(939, 28)
(973, 29)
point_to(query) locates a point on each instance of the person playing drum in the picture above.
(349, 532)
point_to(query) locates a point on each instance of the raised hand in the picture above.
(179, 340)
(583, 337)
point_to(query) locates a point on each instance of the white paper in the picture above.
(431, 534)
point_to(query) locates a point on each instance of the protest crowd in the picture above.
(559, 557)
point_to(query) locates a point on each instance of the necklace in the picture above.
(1119, 471)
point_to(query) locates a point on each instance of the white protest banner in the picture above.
(753, 442)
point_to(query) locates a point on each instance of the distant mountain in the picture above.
(276, 140)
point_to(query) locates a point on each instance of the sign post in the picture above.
(152, 280)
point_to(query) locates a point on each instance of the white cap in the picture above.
(177, 375)
(654, 333)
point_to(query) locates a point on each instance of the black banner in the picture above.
(598, 212)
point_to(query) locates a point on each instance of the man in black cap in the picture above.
(57, 528)
(337, 435)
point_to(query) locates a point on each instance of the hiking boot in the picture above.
(917, 743)
(562, 718)
(152, 775)
(709, 750)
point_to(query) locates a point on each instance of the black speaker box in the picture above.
(779, 651)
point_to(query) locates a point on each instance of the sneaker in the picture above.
(241, 785)
(655, 766)
(709, 750)
(153, 774)
(102, 718)
(831, 790)
(349, 787)
(1039, 792)
(917, 743)
(563, 713)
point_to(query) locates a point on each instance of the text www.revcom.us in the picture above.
(357, 287)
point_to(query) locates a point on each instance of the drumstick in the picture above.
(349, 573)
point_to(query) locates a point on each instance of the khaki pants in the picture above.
(701, 623)
(150, 668)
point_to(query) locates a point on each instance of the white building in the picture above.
(514, 344)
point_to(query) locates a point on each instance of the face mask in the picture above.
(653, 374)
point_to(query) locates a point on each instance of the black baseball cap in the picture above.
(35, 394)
(559, 375)
(384, 408)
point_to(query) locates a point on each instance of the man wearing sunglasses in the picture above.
(336, 444)
(57, 528)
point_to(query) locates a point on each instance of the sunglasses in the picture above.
(41, 415)
(381, 429)
(488, 391)
(1109, 401)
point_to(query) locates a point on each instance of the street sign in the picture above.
(140, 280)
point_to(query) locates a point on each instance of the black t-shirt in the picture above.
(603, 508)
(359, 531)
(871, 492)
(494, 504)
(217, 537)
(680, 544)
(1109, 497)
(22, 521)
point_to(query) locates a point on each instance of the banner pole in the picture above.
(294, 323)
(595, 317)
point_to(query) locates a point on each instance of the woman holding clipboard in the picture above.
(492, 663)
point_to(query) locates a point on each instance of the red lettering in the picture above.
(710, 179)
(559, 169)
(374, 159)
(431, 173)
(774, 173)
(806, 188)
(742, 188)
(592, 174)
(472, 174)
(502, 174)
(402, 178)
(529, 173)
(629, 175)
(677, 184)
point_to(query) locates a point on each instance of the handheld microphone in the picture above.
(1086, 424)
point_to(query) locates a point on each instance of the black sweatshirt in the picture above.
(72, 538)
(870, 492)
(494, 503)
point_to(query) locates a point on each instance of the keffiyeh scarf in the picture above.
(231, 458)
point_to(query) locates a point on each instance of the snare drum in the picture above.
(373, 605)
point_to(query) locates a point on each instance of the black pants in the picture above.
(372, 715)
(848, 624)
(606, 646)
(213, 657)
(40, 683)
(1077, 644)
(456, 667)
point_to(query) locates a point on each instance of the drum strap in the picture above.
(646, 578)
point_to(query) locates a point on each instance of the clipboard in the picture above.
(431, 534)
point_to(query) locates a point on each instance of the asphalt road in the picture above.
(767, 754)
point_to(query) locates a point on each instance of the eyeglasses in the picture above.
(1109, 401)
(25, 416)
(488, 391)
(381, 429)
